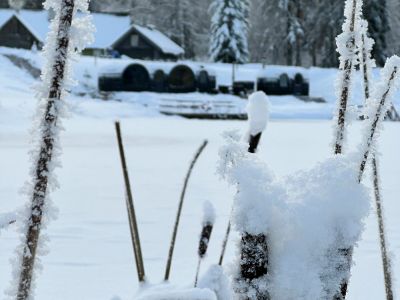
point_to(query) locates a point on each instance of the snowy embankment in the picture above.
(90, 249)
(146, 103)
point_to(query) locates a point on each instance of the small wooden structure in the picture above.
(115, 35)
(147, 43)
(202, 109)
(16, 33)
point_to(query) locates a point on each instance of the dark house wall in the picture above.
(142, 50)
(15, 35)
(30, 4)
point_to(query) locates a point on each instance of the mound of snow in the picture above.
(306, 217)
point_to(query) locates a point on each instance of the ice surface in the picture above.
(168, 292)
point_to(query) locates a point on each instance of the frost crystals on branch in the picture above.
(347, 47)
(62, 42)
(346, 43)
(383, 94)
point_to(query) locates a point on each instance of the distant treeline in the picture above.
(289, 32)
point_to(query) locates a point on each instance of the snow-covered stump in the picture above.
(253, 263)
(66, 36)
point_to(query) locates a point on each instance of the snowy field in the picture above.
(91, 254)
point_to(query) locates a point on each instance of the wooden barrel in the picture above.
(110, 83)
(136, 78)
(285, 85)
(181, 79)
(301, 86)
(159, 82)
(206, 83)
(269, 85)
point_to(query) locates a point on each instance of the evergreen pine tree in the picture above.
(229, 29)
(376, 14)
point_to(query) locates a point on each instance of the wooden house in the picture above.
(115, 35)
(16, 32)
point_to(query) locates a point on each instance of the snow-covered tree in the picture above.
(375, 12)
(229, 30)
(16, 4)
(394, 22)
(294, 30)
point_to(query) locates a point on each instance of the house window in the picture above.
(134, 40)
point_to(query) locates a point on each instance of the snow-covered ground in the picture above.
(90, 249)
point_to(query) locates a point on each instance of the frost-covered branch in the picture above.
(379, 105)
(367, 62)
(65, 38)
(346, 43)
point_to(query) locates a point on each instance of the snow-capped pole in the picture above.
(137, 249)
(258, 115)
(346, 43)
(179, 212)
(254, 248)
(207, 227)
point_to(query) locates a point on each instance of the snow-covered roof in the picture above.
(109, 29)
(35, 21)
(159, 39)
